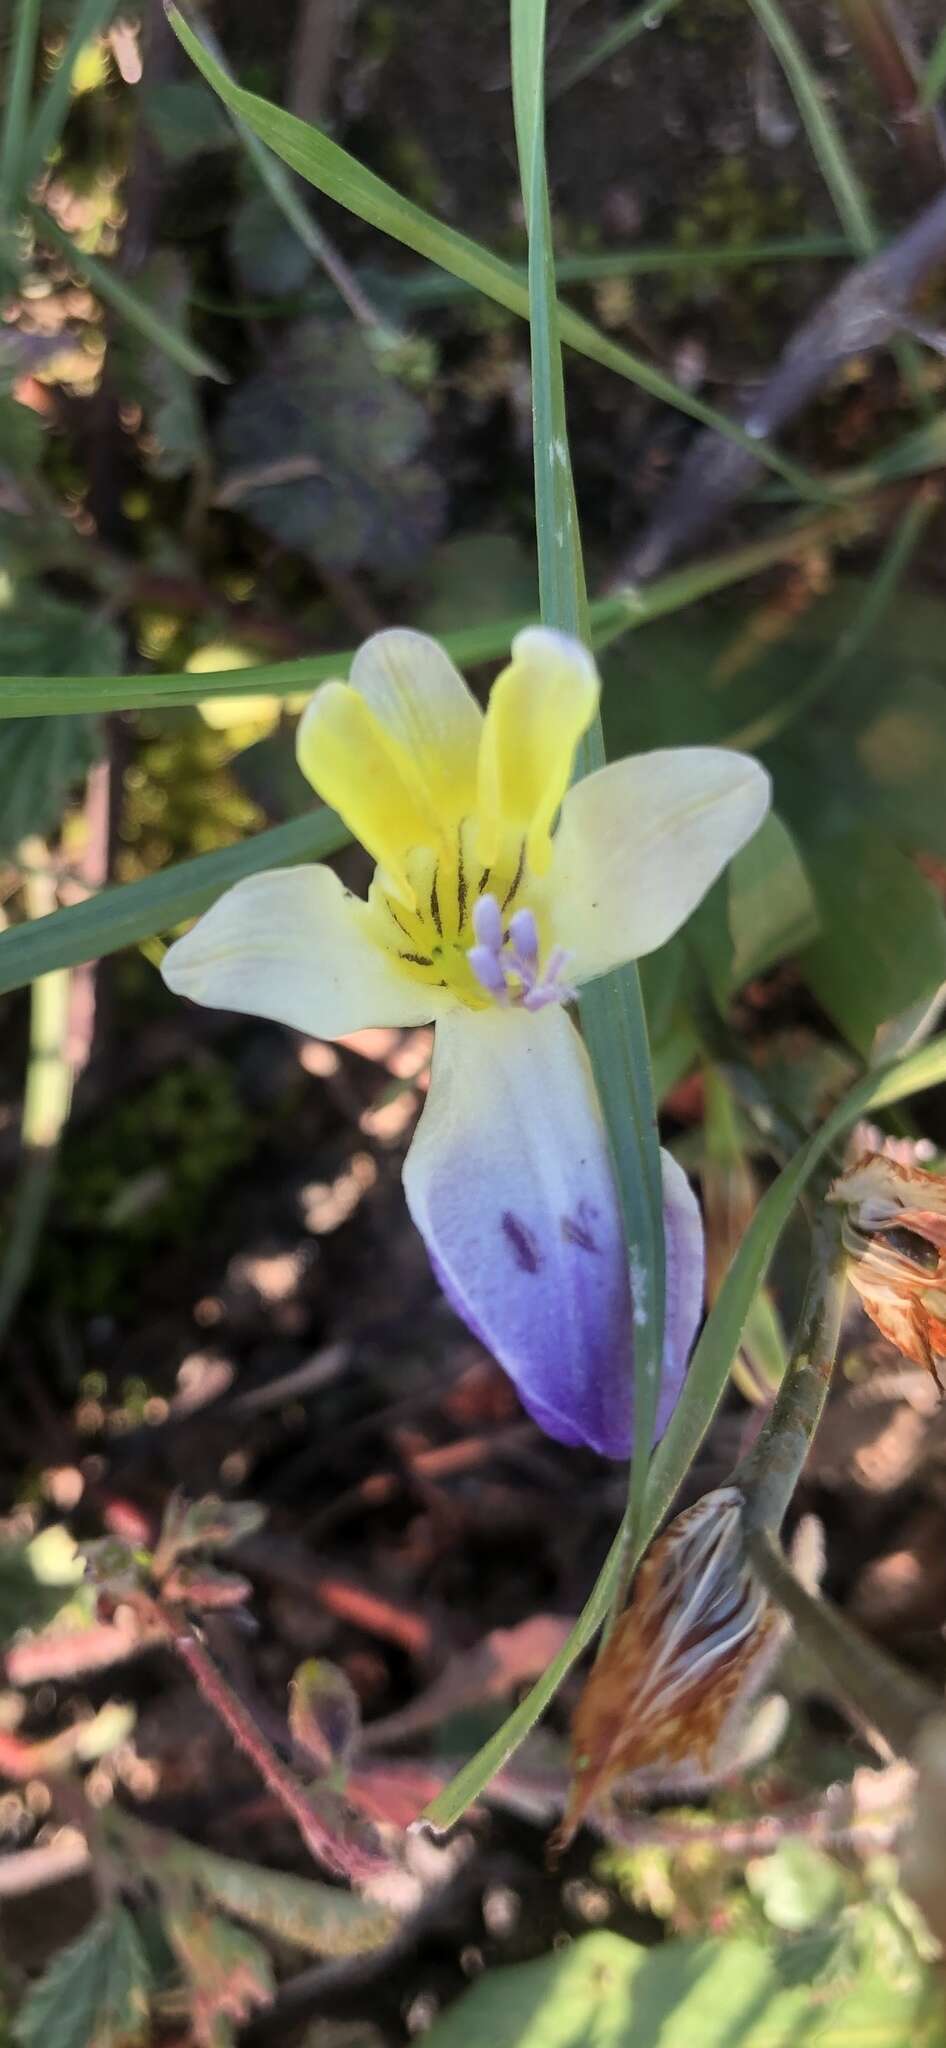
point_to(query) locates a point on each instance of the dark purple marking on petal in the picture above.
(577, 1229)
(520, 1239)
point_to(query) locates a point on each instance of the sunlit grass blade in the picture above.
(53, 106)
(709, 1372)
(612, 1010)
(612, 42)
(132, 911)
(108, 286)
(46, 1098)
(934, 77)
(609, 617)
(17, 87)
(341, 177)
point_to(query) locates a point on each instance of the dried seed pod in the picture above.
(666, 1702)
(894, 1231)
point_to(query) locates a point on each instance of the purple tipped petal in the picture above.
(509, 1182)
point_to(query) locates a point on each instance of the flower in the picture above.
(894, 1230)
(485, 915)
(665, 1706)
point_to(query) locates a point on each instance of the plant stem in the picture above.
(770, 1474)
(46, 1098)
(18, 86)
(879, 1692)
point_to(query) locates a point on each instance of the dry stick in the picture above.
(866, 310)
(345, 1859)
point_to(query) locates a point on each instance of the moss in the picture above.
(141, 1177)
(733, 206)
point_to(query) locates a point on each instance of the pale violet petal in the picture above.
(509, 1183)
(292, 944)
(684, 1283)
(640, 842)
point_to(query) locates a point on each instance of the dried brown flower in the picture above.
(894, 1230)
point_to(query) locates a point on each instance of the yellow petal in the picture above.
(538, 709)
(368, 777)
(395, 750)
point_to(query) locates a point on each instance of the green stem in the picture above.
(879, 1692)
(46, 1098)
(770, 1474)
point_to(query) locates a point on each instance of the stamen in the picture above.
(524, 933)
(488, 924)
(489, 971)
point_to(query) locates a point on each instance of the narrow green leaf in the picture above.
(934, 77)
(18, 85)
(108, 286)
(849, 198)
(705, 1384)
(341, 177)
(615, 39)
(612, 1010)
(124, 915)
(50, 116)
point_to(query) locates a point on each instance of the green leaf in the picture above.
(797, 1886)
(124, 915)
(323, 451)
(324, 1715)
(95, 1992)
(184, 119)
(228, 1973)
(316, 1917)
(605, 1992)
(772, 910)
(265, 250)
(34, 1582)
(22, 435)
(882, 946)
(341, 177)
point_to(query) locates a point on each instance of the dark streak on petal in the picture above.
(523, 1245)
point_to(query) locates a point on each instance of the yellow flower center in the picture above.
(433, 939)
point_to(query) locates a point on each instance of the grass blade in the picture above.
(706, 1380)
(615, 39)
(341, 177)
(132, 911)
(46, 1098)
(18, 87)
(850, 200)
(612, 1011)
(109, 287)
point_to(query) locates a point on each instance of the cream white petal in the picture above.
(292, 944)
(640, 842)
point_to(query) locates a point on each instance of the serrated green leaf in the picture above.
(95, 1992)
(323, 451)
(319, 1918)
(228, 1974)
(605, 1992)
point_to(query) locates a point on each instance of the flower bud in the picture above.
(666, 1702)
